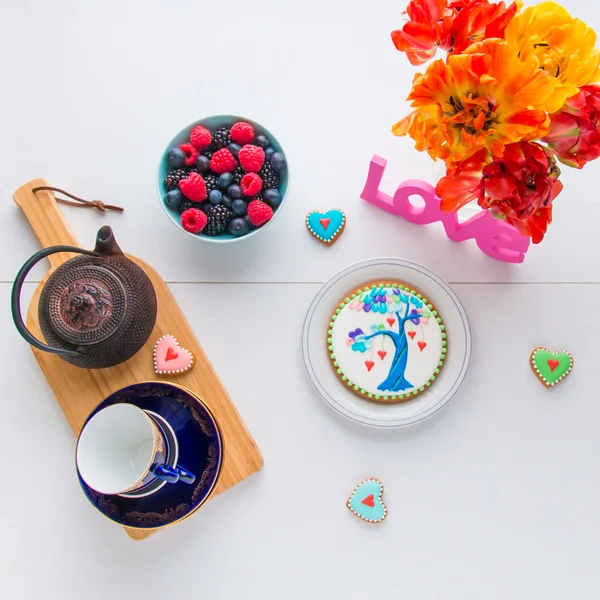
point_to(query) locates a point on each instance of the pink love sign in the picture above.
(496, 238)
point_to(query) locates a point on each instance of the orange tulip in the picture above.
(484, 98)
(450, 25)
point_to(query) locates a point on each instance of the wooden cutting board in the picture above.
(79, 391)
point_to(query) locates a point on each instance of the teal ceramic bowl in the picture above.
(183, 137)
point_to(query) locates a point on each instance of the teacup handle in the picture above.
(173, 474)
(185, 475)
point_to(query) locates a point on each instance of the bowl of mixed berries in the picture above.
(223, 178)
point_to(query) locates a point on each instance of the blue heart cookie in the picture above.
(326, 227)
(366, 503)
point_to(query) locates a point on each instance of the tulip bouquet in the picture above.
(514, 95)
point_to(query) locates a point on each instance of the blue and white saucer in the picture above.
(200, 451)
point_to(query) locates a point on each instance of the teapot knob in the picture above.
(79, 301)
(84, 305)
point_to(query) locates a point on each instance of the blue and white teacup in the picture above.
(122, 449)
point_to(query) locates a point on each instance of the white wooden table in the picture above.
(496, 497)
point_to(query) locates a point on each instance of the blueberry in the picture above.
(215, 197)
(225, 180)
(176, 158)
(206, 206)
(173, 198)
(278, 161)
(239, 208)
(272, 197)
(226, 202)
(234, 149)
(263, 141)
(249, 223)
(269, 152)
(202, 163)
(235, 191)
(238, 227)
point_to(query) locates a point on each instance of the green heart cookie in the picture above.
(551, 367)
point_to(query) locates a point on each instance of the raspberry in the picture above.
(242, 133)
(193, 220)
(251, 184)
(200, 137)
(193, 187)
(252, 158)
(191, 154)
(259, 213)
(223, 161)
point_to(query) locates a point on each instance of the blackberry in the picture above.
(221, 138)
(269, 176)
(208, 154)
(218, 220)
(212, 182)
(238, 174)
(174, 177)
(184, 204)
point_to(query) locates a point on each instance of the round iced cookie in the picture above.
(387, 342)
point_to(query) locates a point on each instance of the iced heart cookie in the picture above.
(387, 342)
(551, 367)
(366, 503)
(170, 358)
(326, 227)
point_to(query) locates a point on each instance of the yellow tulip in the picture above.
(565, 47)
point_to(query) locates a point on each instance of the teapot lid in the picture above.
(86, 302)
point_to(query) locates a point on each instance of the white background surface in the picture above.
(496, 497)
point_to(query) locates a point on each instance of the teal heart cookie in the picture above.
(326, 227)
(551, 367)
(366, 503)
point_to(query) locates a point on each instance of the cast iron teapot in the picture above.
(96, 310)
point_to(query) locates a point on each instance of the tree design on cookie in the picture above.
(393, 344)
(400, 303)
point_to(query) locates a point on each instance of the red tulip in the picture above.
(450, 25)
(519, 187)
(575, 129)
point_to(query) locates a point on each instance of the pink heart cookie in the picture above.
(170, 358)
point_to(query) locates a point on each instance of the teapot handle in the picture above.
(16, 296)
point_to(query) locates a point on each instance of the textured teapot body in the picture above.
(95, 310)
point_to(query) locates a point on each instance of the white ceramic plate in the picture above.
(316, 356)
